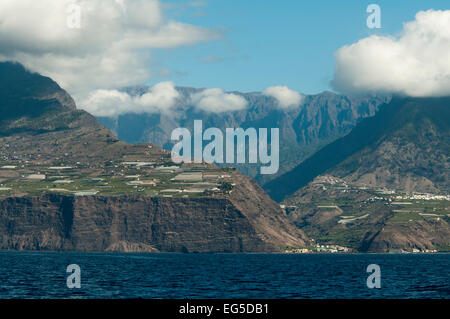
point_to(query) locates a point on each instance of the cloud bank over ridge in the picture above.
(284, 96)
(217, 101)
(159, 98)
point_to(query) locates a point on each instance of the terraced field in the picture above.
(32, 179)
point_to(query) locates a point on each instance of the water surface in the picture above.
(108, 275)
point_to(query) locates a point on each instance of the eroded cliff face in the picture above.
(269, 220)
(423, 235)
(131, 224)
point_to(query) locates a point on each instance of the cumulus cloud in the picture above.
(284, 96)
(161, 97)
(112, 48)
(217, 101)
(415, 63)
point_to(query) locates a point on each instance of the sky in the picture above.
(283, 49)
(271, 42)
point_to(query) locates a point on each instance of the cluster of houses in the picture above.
(331, 249)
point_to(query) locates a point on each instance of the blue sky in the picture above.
(270, 42)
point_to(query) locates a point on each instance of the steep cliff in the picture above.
(133, 224)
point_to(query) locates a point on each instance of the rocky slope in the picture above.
(47, 130)
(334, 212)
(383, 187)
(406, 146)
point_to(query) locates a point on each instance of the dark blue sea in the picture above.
(103, 275)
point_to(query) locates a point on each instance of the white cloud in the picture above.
(284, 96)
(414, 63)
(112, 48)
(161, 97)
(217, 101)
(107, 103)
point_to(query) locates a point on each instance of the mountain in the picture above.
(319, 120)
(383, 187)
(31, 103)
(67, 183)
(405, 146)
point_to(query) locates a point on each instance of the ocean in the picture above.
(223, 276)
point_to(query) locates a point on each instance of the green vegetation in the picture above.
(346, 237)
(400, 217)
(418, 210)
(111, 179)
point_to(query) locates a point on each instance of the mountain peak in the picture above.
(18, 82)
(34, 103)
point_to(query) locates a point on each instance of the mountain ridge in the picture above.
(369, 134)
(319, 120)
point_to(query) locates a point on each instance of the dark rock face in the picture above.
(19, 84)
(29, 102)
(127, 223)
